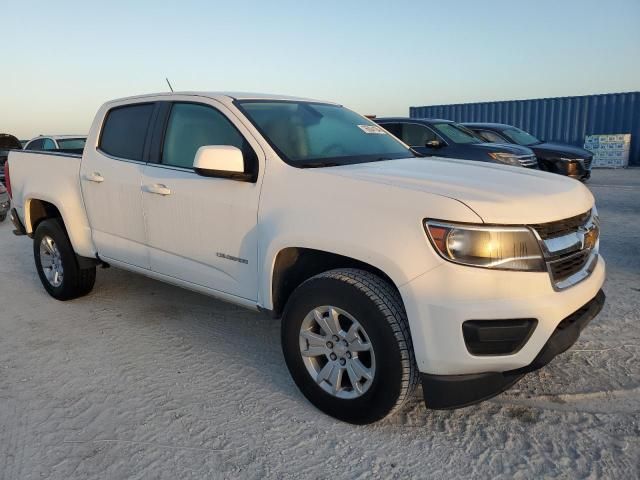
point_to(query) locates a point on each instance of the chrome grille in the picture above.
(570, 248)
(528, 161)
(561, 227)
(587, 162)
(569, 265)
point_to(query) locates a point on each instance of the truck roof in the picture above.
(415, 120)
(500, 126)
(59, 137)
(224, 97)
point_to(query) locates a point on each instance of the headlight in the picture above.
(564, 159)
(506, 158)
(502, 248)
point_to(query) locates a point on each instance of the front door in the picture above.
(202, 230)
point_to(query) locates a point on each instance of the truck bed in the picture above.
(51, 177)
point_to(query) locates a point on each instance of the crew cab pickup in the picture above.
(387, 269)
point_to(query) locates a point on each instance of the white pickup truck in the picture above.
(386, 268)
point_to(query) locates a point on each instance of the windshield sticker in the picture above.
(372, 129)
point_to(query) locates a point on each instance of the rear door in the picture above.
(202, 230)
(111, 176)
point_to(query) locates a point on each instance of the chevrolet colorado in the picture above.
(386, 269)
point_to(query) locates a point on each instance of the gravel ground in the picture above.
(144, 380)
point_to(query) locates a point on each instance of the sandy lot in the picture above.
(143, 380)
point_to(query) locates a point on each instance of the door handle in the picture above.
(94, 177)
(158, 189)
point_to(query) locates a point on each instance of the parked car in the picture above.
(386, 269)
(445, 138)
(7, 143)
(569, 160)
(4, 202)
(59, 143)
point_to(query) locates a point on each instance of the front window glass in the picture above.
(192, 126)
(307, 134)
(521, 137)
(417, 135)
(71, 143)
(491, 137)
(456, 133)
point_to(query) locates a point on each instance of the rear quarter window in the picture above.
(124, 131)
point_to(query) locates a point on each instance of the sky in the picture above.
(63, 59)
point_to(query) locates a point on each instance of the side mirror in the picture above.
(223, 161)
(434, 144)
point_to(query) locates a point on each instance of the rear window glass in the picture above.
(35, 144)
(71, 143)
(124, 131)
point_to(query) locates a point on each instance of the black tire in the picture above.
(379, 309)
(77, 281)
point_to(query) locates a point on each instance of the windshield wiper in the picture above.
(319, 164)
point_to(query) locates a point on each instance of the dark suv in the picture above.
(574, 162)
(7, 143)
(445, 138)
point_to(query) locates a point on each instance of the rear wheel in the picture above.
(346, 341)
(57, 263)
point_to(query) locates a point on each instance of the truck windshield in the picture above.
(307, 134)
(521, 137)
(71, 143)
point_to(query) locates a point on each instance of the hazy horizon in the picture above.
(375, 57)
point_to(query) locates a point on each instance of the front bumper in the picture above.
(573, 169)
(441, 300)
(456, 391)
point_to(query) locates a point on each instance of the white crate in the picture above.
(609, 151)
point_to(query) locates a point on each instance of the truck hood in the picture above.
(497, 193)
(551, 150)
(502, 147)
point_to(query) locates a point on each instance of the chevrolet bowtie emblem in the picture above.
(588, 236)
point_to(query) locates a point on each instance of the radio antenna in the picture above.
(169, 83)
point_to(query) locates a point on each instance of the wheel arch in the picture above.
(39, 208)
(293, 265)
(36, 210)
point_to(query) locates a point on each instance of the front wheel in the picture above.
(57, 263)
(346, 342)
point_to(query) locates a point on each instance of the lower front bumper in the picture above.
(456, 391)
(574, 169)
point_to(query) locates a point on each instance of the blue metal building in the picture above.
(561, 119)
